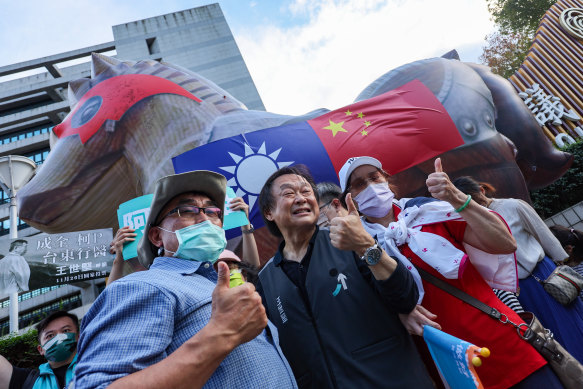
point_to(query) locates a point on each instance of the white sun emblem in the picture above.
(251, 171)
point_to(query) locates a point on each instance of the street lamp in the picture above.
(15, 171)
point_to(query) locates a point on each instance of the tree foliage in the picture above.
(20, 350)
(566, 191)
(517, 21)
(521, 16)
(504, 53)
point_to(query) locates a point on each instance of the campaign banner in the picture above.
(456, 359)
(134, 214)
(45, 260)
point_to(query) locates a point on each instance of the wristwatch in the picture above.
(372, 255)
(249, 231)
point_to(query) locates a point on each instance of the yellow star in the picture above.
(348, 113)
(335, 127)
(367, 123)
(360, 115)
(364, 133)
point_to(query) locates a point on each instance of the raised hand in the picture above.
(238, 204)
(441, 187)
(347, 232)
(237, 313)
(123, 235)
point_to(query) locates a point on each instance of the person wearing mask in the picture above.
(126, 234)
(58, 334)
(445, 239)
(179, 324)
(537, 256)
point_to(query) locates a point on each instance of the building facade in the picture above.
(197, 39)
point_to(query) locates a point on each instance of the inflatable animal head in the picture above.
(118, 139)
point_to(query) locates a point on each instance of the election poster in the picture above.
(45, 260)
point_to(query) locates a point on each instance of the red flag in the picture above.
(401, 128)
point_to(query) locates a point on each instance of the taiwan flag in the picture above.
(400, 128)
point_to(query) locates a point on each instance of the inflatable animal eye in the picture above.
(489, 120)
(87, 111)
(469, 128)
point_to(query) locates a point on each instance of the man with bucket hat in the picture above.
(179, 324)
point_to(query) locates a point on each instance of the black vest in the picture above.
(341, 338)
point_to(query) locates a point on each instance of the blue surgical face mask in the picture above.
(60, 347)
(202, 242)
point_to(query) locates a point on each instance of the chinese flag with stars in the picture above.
(400, 128)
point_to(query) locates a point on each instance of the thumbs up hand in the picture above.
(347, 232)
(441, 187)
(237, 313)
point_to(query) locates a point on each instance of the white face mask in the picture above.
(376, 200)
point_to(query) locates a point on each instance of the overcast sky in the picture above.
(302, 54)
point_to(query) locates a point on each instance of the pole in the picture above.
(13, 235)
(15, 171)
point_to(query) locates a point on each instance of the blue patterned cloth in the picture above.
(142, 318)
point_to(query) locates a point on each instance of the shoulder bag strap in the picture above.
(471, 300)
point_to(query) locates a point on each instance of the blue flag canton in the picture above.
(248, 160)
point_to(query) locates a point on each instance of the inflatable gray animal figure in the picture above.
(130, 119)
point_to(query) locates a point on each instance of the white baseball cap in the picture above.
(353, 163)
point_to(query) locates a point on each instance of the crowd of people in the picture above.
(341, 304)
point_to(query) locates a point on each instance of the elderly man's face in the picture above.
(175, 221)
(295, 203)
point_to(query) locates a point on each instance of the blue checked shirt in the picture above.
(142, 318)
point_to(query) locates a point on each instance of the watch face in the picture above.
(373, 256)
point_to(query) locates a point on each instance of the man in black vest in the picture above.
(335, 295)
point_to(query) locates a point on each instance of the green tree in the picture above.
(566, 191)
(518, 15)
(504, 53)
(517, 21)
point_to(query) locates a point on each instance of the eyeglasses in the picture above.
(360, 183)
(325, 205)
(191, 211)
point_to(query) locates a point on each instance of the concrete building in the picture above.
(198, 39)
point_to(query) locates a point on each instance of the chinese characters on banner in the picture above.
(54, 259)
